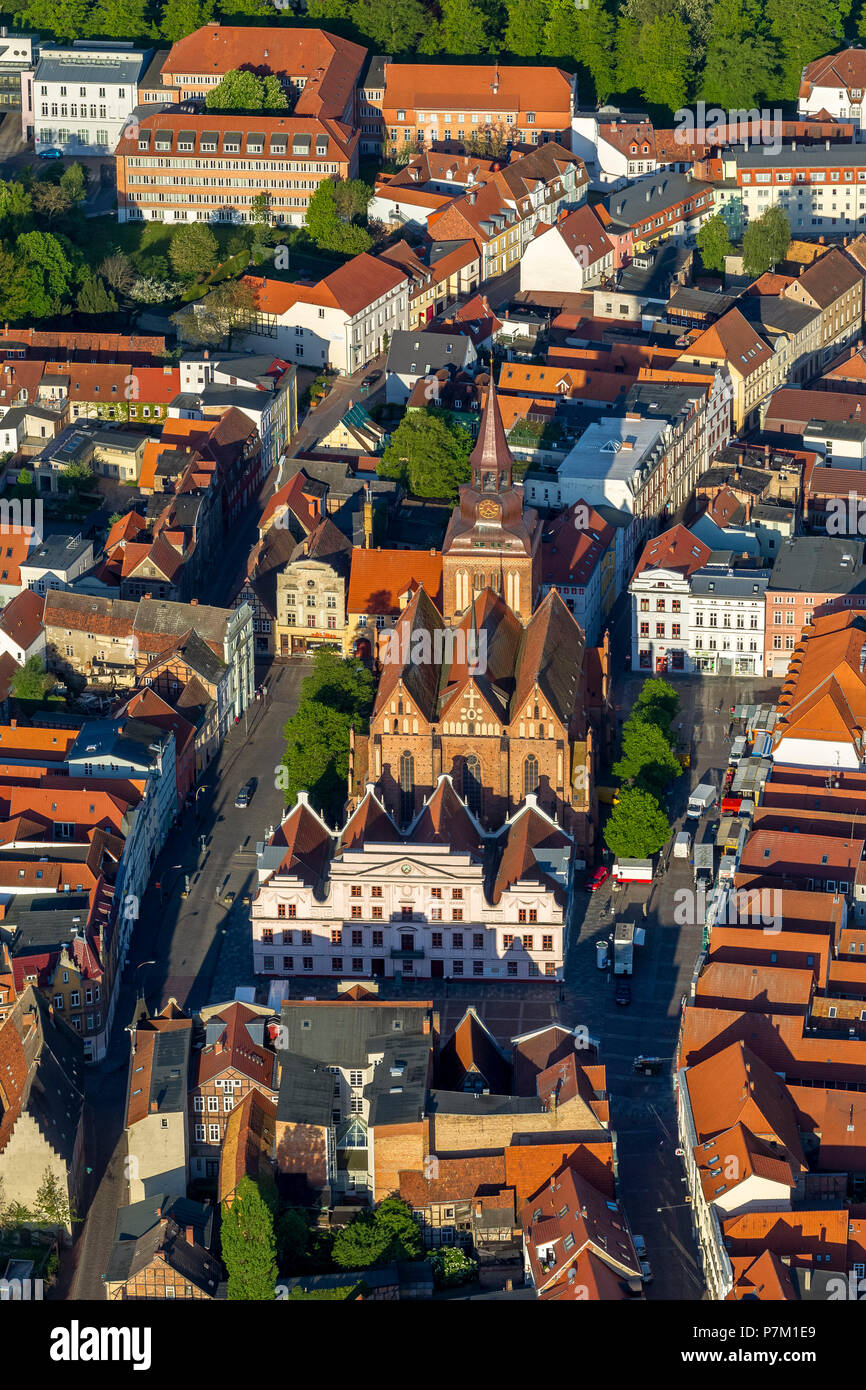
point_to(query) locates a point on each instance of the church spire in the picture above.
(491, 459)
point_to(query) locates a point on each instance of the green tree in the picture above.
(525, 27)
(325, 224)
(646, 754)
(118, 19)
(237, 91)
(73, 181)
(16, 206)
(273, 95)
(714, 242)
(637, 826)
(803, 30)
(248, 1244)
(17, 288)
(31, 681)
(658, 701)
(395, 26)
(378, 1237)
(561, 30)
(48, 271)
(65, 19)
(766, 241)
(193, 250)
(181, 17)
(596, 29)
(394, 1217)
(76, 478)
(665, 50)
(777, 230)
(351, 198)
(452, 1266)
(95, 298)
(232, 10)
(742, 61)
(464, 27)
(361, 1244)
(336, 696)
(627, 54)
(428, 455)
(329, 9)
(52, 1203)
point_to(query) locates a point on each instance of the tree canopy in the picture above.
(241, 90)
(336, 696)
(248, 1244)
(377, 1237)
(428, 454)
(331, 214)
(193, 250)
(637, 826)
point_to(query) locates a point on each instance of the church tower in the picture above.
(491, 541)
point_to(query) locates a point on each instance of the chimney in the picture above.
(190, 1235)
(368, 519)
(153, 1107)
(193, 603)
(13, 723)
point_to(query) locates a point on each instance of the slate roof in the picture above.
(338, 1034)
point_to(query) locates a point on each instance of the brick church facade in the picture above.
(491, 541)
(498, 707)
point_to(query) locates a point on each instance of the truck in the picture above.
(633, 871)
(739, 748)
(704, 865)
(730, 833)
(682, 845)
(700, 800)
(623, 948)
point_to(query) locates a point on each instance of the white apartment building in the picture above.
(83, 96)
(441, 900)
(691, 613)
(570, 255)
(821, 188)
(835, 83)
(343, 322)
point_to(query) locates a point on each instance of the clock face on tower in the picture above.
(489, 510)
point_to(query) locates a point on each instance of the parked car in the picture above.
(623, 992)
(639, 1247)
(601, 955)
(599, 877)
(229, 898)
(51, 153)
(646, 1271)
(244, 796)
(371, 378)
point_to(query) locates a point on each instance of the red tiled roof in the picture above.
(379, 578)
(675, 549)
(21, 619)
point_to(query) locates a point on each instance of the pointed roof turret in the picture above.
(491, 459)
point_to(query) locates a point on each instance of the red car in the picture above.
(599, 877)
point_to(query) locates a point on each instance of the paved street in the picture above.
(200, 948)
